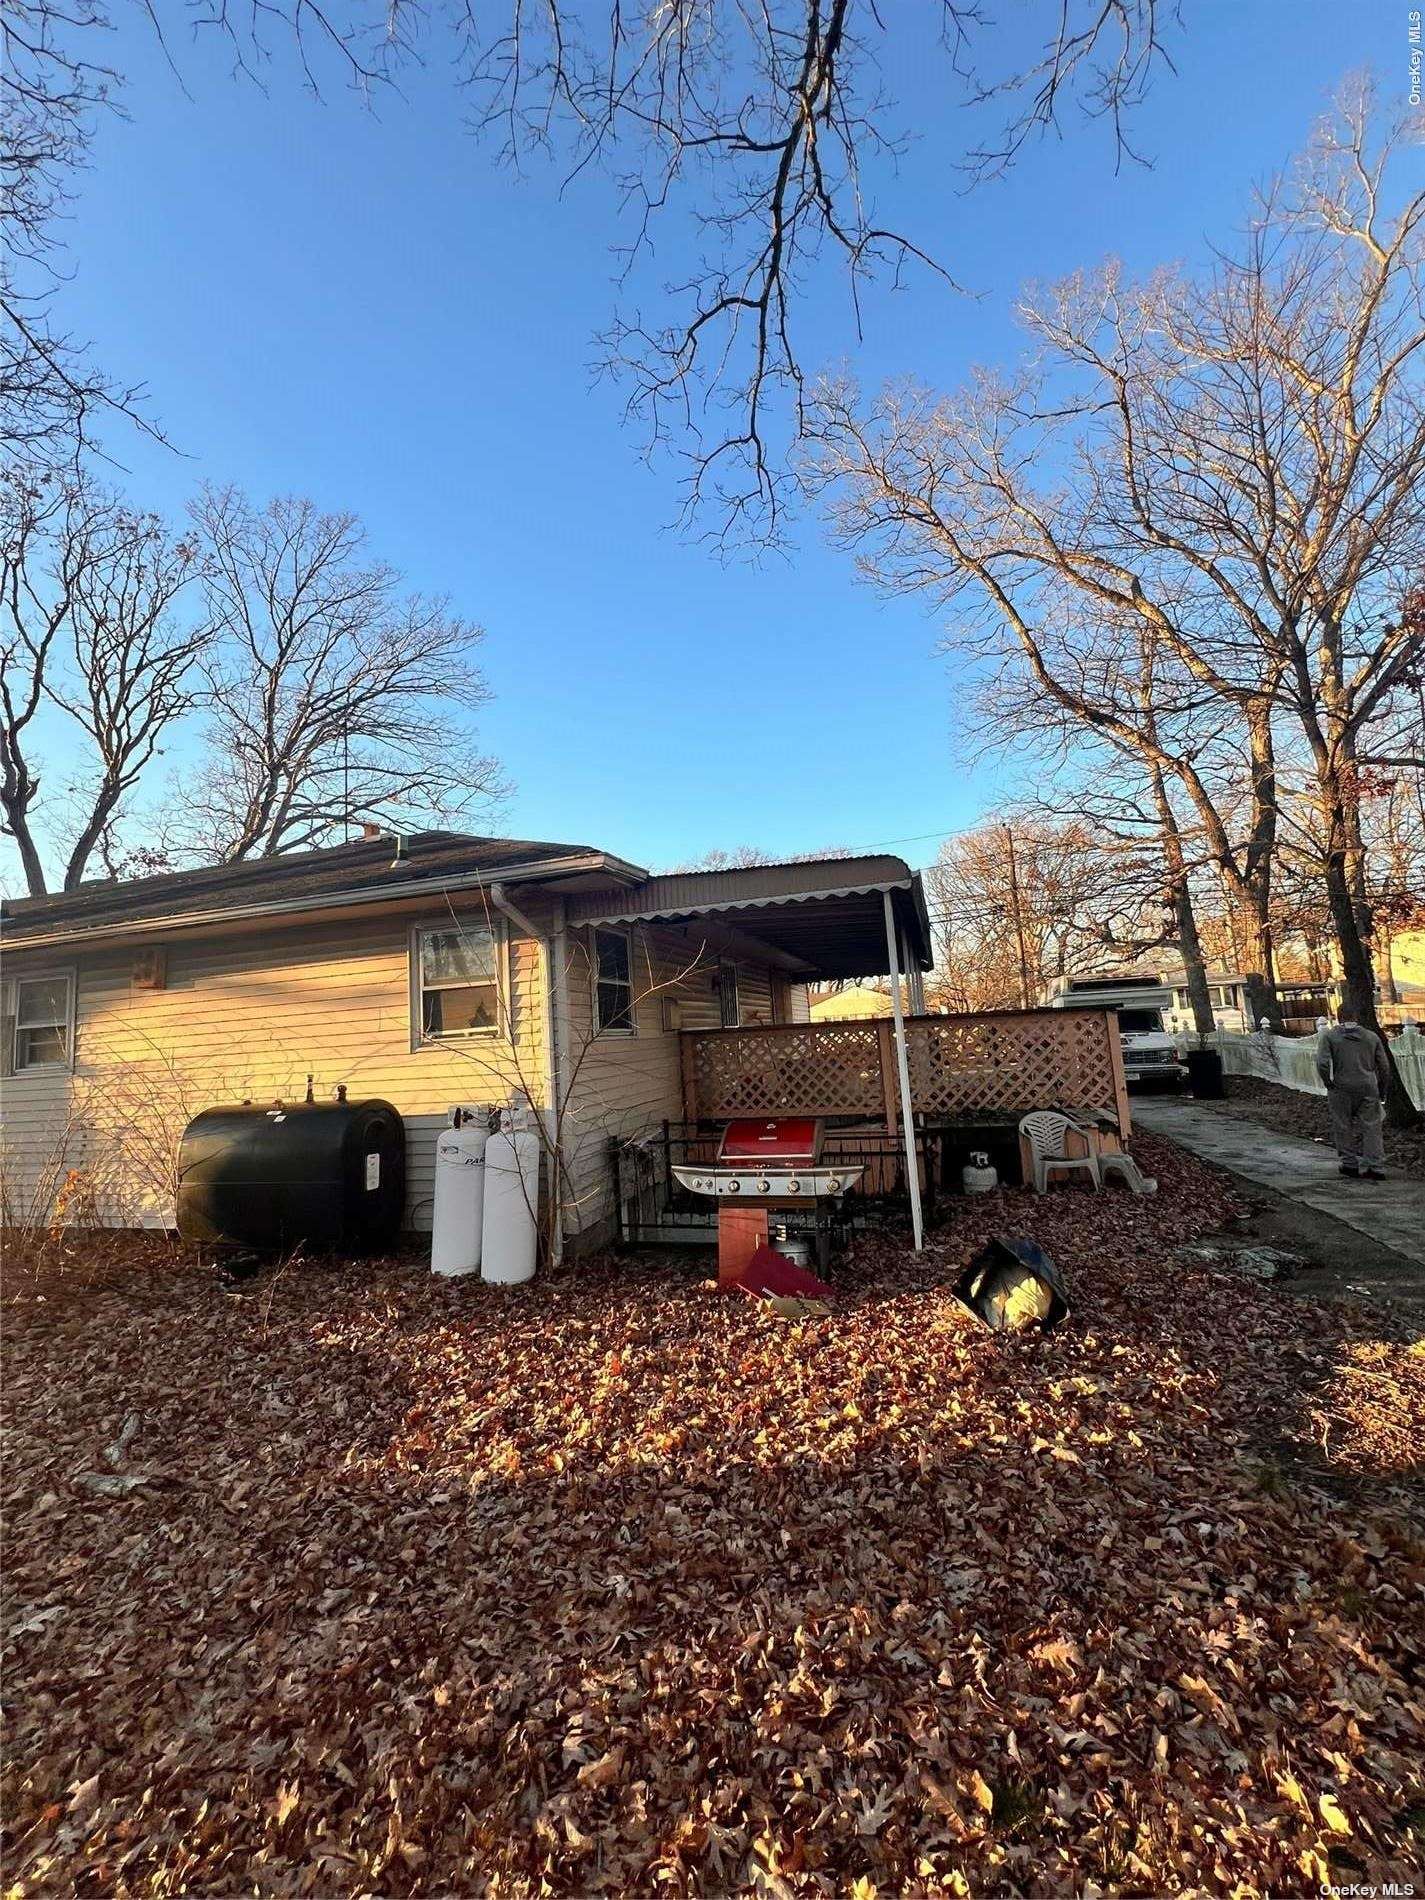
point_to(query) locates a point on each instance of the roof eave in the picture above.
(410, 888)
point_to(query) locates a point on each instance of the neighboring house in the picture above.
(1406, 950)
(429, 971)
(853, 1004)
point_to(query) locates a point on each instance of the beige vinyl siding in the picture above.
(38, 1142)
(627, 1085)
(253, 1016)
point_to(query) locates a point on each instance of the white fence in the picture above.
(1291, 1060)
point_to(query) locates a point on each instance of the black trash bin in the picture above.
(1204, 1067)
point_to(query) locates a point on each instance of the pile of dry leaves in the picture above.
(353, 1582)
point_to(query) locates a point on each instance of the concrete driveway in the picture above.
(1390, 1212)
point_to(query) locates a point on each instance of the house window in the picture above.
(457, 977)
(727, 995)
(44, 1021)
(613, 983)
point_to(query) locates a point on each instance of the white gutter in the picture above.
(336, 900)
(551, 1043)
(903, 1067)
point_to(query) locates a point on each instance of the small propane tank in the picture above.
(978, 1176)
(511, 1230)
(457, 1224)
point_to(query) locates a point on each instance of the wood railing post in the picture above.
(1120, 1080)
(688, 1074)
(885, 1049)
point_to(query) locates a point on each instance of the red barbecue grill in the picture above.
(765, 1161)
(762, 1164)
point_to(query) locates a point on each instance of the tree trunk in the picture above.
(1385, 963)
(1194, 966)
(30, 863)
(1356, 969)
(104, 807)
(1180, 896)
(1262, 998)
(1255, 884)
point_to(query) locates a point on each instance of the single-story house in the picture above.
(430, 970)
(858, 1002)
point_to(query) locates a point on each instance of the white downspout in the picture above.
(903, 1069)
(551, 1042)
(561, 1040)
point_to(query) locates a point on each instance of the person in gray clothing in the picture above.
(1352, 1062)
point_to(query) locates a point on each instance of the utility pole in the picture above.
(1018, 921)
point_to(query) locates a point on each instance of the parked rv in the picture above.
(1141, 1004)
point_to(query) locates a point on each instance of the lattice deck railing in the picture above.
(1004, 1062)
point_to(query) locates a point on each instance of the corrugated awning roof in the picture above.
(828, 913)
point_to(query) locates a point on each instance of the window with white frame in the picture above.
(728, 1002)
(613, 983)
(44, 1021)
(457, 981)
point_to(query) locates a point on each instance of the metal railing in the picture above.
(652, 1209)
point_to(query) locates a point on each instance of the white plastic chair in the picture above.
(1046, 1131)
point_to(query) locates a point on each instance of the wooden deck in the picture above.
(961, 1067)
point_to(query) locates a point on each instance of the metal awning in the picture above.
(828, 915)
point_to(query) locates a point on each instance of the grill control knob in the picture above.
(763, 1187)
(734, 1186)
(794, 1187)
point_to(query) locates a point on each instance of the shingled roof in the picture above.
(364, 866)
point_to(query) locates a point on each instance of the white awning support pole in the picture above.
(915, 988)
(903, 1069)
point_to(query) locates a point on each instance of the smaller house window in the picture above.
(43, 1021)
(727, 995)
(613, 983)
(457, 976)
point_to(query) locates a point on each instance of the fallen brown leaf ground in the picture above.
(352, 1582)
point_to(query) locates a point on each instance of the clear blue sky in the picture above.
(361, 307)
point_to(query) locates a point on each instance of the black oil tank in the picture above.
(326, 1175)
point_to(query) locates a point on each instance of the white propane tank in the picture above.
(511, 1203)
(978, 1176)
(457, 1224)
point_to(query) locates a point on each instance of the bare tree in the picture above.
(1238, 473)
(53, 85)
(1022, 901)
(90, 629)
(37, 593)
(135, 659)
(758, 126)
(944, 497)
(333, 697)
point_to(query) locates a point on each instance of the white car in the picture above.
(1149, 1052)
